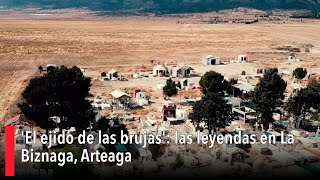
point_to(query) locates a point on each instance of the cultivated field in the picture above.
(101, 43)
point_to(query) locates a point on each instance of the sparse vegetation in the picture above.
(178, 163)
(170, 89)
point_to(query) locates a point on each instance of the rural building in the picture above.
(172, 69)
(245, 113)
(243, 58)
(142, 99)
(159, 70)
(244, 87)
(121, 99)
(186, 83)
(184, 71)
(211, 60)
(113, 75)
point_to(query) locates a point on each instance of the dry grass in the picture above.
(113, 42)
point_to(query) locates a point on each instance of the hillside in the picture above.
(165, 6)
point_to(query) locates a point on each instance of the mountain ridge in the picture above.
(166, 6)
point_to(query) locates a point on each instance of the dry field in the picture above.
(103, 42)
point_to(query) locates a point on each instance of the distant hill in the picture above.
(166, 6)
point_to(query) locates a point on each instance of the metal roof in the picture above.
(244, 87)
(186, 68)
(118, 93)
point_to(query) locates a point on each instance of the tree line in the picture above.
(268, 95)
(63, 92)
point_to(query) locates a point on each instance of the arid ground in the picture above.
(26, 44)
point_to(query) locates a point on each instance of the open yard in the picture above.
(105, 43)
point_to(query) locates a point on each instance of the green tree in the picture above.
(179, 162)
(300, 104)
(170, 89)
(267, 95)
(230, 89)
(103, 124)
(299, 73)
(213, 110)
(61, 92)
(213, 82)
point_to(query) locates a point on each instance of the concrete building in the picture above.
(121, 99)
(113, 75)
(211, 60)
(159, 70)
(243, 58)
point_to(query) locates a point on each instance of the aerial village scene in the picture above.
(215, 91)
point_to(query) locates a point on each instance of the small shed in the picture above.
(211, 60)
(185, 83)
(185, 71)
(121, 98)
(142, 98)
(113, 75)
(159, 70)
(243, 58)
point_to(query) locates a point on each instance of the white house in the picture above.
(112, 75)
(243, 58)
(142, 99)
(186, 83)
(211, 60)
(159, 70)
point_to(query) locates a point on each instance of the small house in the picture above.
(186, 83)
(185, 71)
(142, 99)
(159, 70)
(121, 99)
(243, 58)
(113, 75)
(211, 60)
